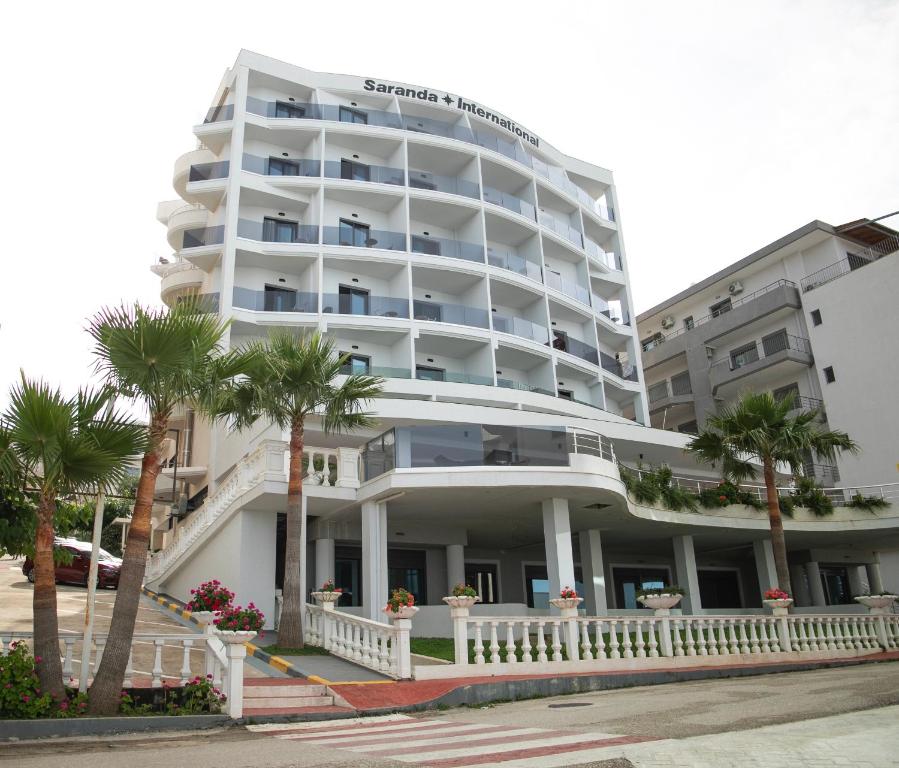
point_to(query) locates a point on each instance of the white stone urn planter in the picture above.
(564, 603)
(661, 604)
(780, 606)
(406, 612)
(461, 601)
(232, 637)
(326, 597)
(878, 604)
(204, 617)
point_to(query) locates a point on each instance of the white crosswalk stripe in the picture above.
(444, 743)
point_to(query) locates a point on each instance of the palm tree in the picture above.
(294, 378)
(59, 446)
(758, 429)
(159, 359)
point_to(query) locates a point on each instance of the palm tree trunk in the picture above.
(778, 542)
(290, 626)
(46, 625)
(105, 692)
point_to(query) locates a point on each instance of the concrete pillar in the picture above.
(455, 566)
(875, 580)
(374, 559)
(687, 577)
(815, 587)
(799, 579)
(557, 539)
(764, 565)
(856, 579)
(595, 600)
(324, 561)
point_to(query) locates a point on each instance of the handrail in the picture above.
(861, 258)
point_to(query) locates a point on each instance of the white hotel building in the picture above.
(483, 274)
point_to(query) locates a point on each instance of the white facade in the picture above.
(483, 274)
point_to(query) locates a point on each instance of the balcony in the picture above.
(356, 237)
(568, 288)
(514, 263)
(179, 278)
(203, 236)
(777, 349)
(277, 231)
(375, 174)
(621, 370)
(669, 393)
(385, 372)
(518, 326)
(357, 304)
(453, 249)
(510, 203)
(452, 185)
(277, 300)
(439, 312)
(613, 312)
(606, 259)
(561, 228)
(280, 166)
(182, 218)
(574, 347)
(219, 114)
(295, 110)
(430, 374)
(519, 385)
(852, 262)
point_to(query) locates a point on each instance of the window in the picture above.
(816, 317)
(689, 428)
(744, 355)
(789, 392)
(719, 588)
(354, 233)
(566, 394)
(835, 581)
(688, 323)
(348, 115)
(484, 578)
(353, 171)
(829, 376)
(776, 342)
(279, 167)
(279, 231)
(286, 109)
(720, 308)
(536, 580)
(277, 299)
(628, 580)
(352, 301)
(355, 364)
(429, 373)
(406, 569)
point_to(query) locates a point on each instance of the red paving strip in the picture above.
(451, 733)
(520, 754)
(466, 743)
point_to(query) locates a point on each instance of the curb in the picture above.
(176, 606)
(20, 730)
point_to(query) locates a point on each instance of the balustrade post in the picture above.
(460, 634)
(569, 622)
(880, 627)
(348, 467)
(328, 609)
(401, 648)
(236, 652)
(783, 633)
(665, 645)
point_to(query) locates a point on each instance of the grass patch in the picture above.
(306, 650)
(435, 647)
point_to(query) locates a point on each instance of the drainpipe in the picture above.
(188, 438)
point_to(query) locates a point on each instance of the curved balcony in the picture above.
(178, 279)
(183, 165)
(187, 217)
(200, 177)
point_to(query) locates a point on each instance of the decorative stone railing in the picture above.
(381, 647)
(337, 467)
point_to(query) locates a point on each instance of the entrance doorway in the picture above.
(484, 577)
(835, 581)
(719, 588)
(629, 579)
(536, 582)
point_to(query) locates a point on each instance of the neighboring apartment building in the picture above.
(811, 317)
(483, 274)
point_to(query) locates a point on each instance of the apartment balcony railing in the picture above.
(385, 372)
(576, 348)
(203, 236)
(614, 312)
(279, 166)
(658, 392)
(606, 258)
(514, 263)
(379, 306)
(275, 301)
(568, 288)
(439, 312)
(376, 174)
(454, 378)
(621, 370)
(561, 228)
(806, 403)
(219, 114)
(371, 238)
(677, 386)
(822, 473)
(518, 326)
(277, 232)
(453, 249)
(209, 171)
(452, 185)
(520, 385)
(510, 202)
(853, 261)
(437, 128)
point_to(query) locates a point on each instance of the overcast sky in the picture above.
(727, 125)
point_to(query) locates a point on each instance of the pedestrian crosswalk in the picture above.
(445, 743)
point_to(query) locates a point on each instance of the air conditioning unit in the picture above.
(735, 287)
(667, 322)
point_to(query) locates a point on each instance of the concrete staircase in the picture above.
(285, 696)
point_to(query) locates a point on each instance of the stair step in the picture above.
(325, 710)
(290, 702)
(303, 690)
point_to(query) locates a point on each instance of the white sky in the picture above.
(727, 125)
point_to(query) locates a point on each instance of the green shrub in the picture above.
(809, 495)
(672, 590)
(787, 505)
(20, 690)
(869, 503)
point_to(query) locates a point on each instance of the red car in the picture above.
(76, 572)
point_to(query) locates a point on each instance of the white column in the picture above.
(557, 539)
(374, 559)
(875, 580)
(324, 561)
(687, 577)
(594, 574)
(856, 579)
(764, 565)
(814, 584)
(455, 566)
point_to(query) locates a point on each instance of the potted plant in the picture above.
(879, 602)
(660, 598)
(463, 596)
(401, 605)
(237, 624)
(567, 599)
(210, 598)
(778, 601)
(328, 593)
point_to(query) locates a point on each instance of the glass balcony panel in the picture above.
(518, 326)
(278, 166)
(561, 228)
(568, 288)
(209, 171)
(439, 312)
(219, 114)
(578, 349)
(277, 300)
(436, 128)
(514, 263)
(449, 184)
(334, 112)
(377, 174)
(370, 238)
(454, 249)
(510, 202)
(197, 238)
(621, 370)
(385, 372)
(364, 304)
(275, 231)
